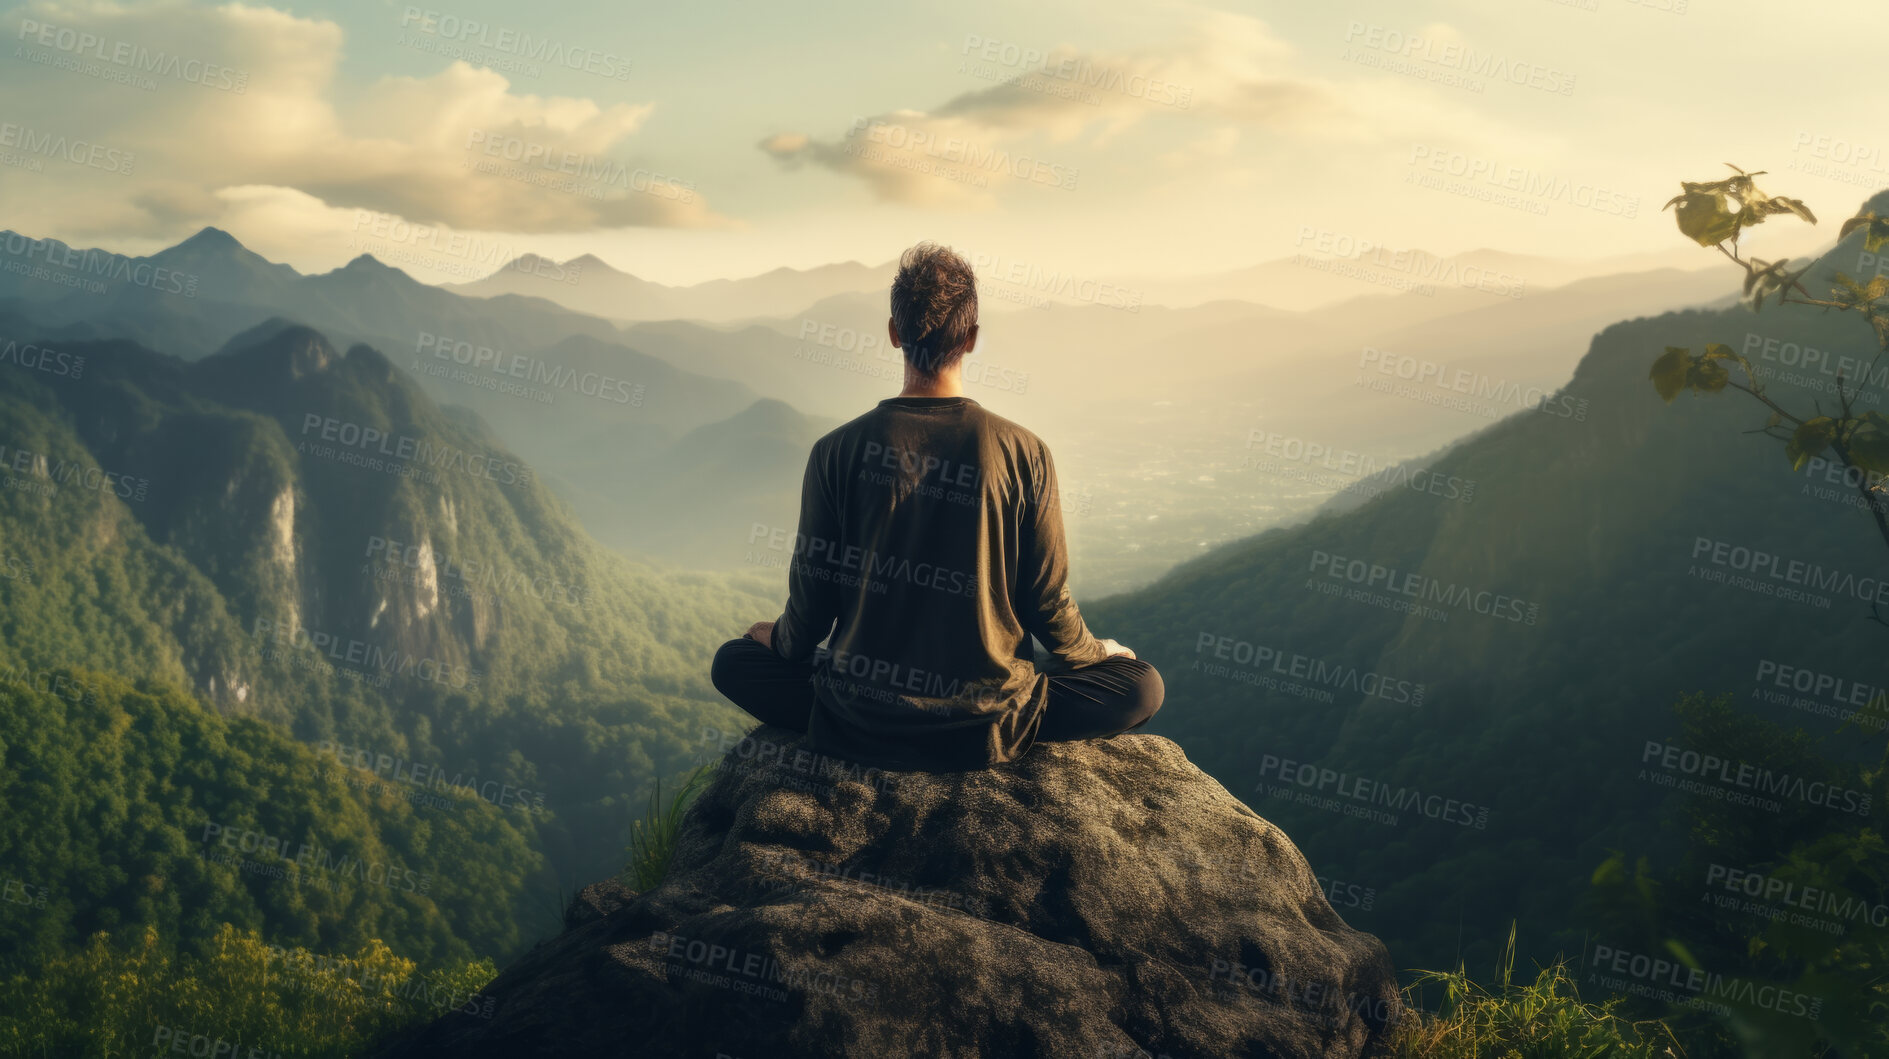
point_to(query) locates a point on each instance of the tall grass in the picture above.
(1543, 1019)
(653, 838)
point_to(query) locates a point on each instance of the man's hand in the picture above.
(1114, 649)
(763, 631)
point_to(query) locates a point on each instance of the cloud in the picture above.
(921, 159)
(283, 224)
(1222, 68)
(205, 99)
(785, 145)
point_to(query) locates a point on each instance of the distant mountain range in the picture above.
(588, 285)
(1154, 412)
(1332, 268)
(191, 298)
(1329, 266)
(1130, 396)
(593, 415)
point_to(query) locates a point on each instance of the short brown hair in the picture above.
(934, 306)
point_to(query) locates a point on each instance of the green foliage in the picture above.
(128, 807)
(1867, 442)
(1713, 214)
(1811, 437)
(1823, 944)
(653, 840)
(1875, 229)
(1542, 1019)
(593, 668)
(150, 711)
(142, 999)
(1678, 370)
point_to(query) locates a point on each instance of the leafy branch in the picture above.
(1714, 214)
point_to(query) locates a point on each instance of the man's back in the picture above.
(930, 532)
(930, 546)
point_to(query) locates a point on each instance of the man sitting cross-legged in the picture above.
(930, 549)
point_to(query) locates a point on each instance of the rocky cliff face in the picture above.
(1097, 899)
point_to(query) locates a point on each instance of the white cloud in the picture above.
(1223, 68)
(244, 96)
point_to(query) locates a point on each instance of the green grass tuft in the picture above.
(653, 838)
(1543, 1019)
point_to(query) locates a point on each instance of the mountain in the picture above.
(1153, 414)
(303, 536)
(1333, 267)
(1415, 384)
(1099, 898)
(226, 269)
(1463, 702)
(583, 284)
(1057, 365)
(588, 285)
(729, 476)
(598, 418)
(575, 401)
(190, 298)
(1300, 282)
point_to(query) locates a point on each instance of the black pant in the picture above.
(1115, 695)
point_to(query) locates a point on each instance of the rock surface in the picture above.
(1096, 899)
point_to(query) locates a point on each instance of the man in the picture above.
(931, 548)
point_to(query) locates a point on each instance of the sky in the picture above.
(690, 142)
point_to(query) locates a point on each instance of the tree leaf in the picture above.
(1669, 372)
(1809, 440)
(1797, 207)
(1755, 273)
(1761, 206)
(1705, 217)
(1707, 376)
(1869, 444)
(1875, 229)
(1848, 290)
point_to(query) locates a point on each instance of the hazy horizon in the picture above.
(1153, 145)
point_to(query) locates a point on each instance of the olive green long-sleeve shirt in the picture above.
(931, 545)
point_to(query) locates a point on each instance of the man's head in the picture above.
(934, 308)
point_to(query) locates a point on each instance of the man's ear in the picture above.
(970, 341)
(892, 331)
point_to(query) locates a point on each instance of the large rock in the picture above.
(1097, 899)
